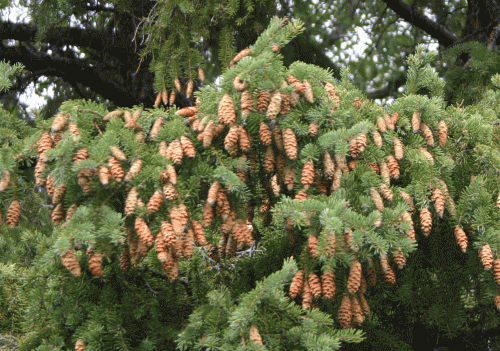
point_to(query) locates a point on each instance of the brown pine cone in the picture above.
(80, 345)
(299, 86)
(345, 313)
(255, 335)
(314, 285)
(371, 274)
(188, 147)
(226, 113)
(407, 199)
(496, 270)
(354, 280)
(208, 215)
(377, 139)
(116, 170)
(116, 113)
(399, 258)
(425, 221)
(290, 143)
(393, 165)
(427, 154)
(70, 261)
(274, 106)
(143, 232)
(486, 256)
(13, 214)
(95, 265)
(357, 312)
(189, 244)
(59, 122)
(131, 202)
(386, 192)
(269, 160)
(438, 199)
(312, 243)
(442, 133)
(398, 149)
(415, 121)
(427, 134)
(265, 134)
(246, 104)
(306, 296)
(154, 202)
(263, 100)
(177, 152)
(381, 125)
(307, 176)
(239, 56)
(308, 93)
(328, 284)
(199, 233)
(377, 199)
(167, 231)
(57, 215)
(297, 284)
(289, 177)
(243, 139)
(364, 304)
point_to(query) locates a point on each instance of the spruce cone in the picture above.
(231, 141)
(71, 263)
(263, 100)
(364, 304)
(486, 256)
(398, 149)
(269, 160)
(393, 167)
(371, 274)
(131, 202)
(246, 104)
(239, 56)
(4, 183)
(374, 167)
(399, 258)
(306, 296)
(377, 199)
(199, 233)
(389, 275)
(44, 144)
(80, 345)
(407, 199)
(143, 232)
(496, 270)
(95, 264)
(307, 176)
(208, 215)
(278, 138)
(344, 313)
(308, 93)
(385, 173)
(177, 152)
(243, 139)
(415, 121)
(297, 284)
(212, 193)
(386, 192)
(388, 122)
(188, 111)
(381, 125)
(57, 215)
(394, 118)
(73, 129)
(427, 154)
(171, 98)
(13, 214)
(188, 147)
(299, 86)
(201, 74)
(427, 134)
(407, 218)
(442, 133)
(265, 134)
(154, 202)
(289, 177)
(357, 103)
(188, 244)
(312, 243)
(274, 106)
(357, 312)
(377, 139)
(226, 113)
(58, 194)
(313, 130)
(290, 143)
(112, 114)
(124, 261)
(328, 284)
(425, 221)
(438, 199)
(189, 88)
(314, 285)
(167, 230)
(357, 146)
(255, 335)
(71, 211)
(354, 278)
(104, 175)
(461, 238)
(59, 122)
(116, 170)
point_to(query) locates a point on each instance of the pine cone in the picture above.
(297, 284)
(399, 258)
(357, 103)
(357, 312)
(95, 265)
(57, 215)
(299, 86)
(269, 160)
(13, 214)
(255, 335)
(427, 154)
(104, 175)
(167, 230)
(59, 122)
(497, 301)
(386, 192)
(116, 170)
(438, 199)
(308, 93)
(398, 149)
(314, 285)
(328, 165)
(231, 141)
(265, 134)
(171, 98)
(345, 313)
(381, 126)
(154, 202)
(71, 263)
(425, 221)
(201, 74)
(306, 296)
(313, 130)
(188, 147)
(226, 113)
(263, 100)
(274, 106)
(364, 305)
(188, 111)
(389, 275)
(328, 284)
(442, 133)
(394, 118)
(407, 218)
(354, 278)
(290, 143)
(177, 152)
(374, 167)
(71, 211)
(486, 256)
(4, 183)
(143, 232)
(377, 139)
(212, 193)
(496, 270)
(189, 88)
(286, 105)
(246, 104)
(377, 199)
(407, 199)
(307, 176)
(243, 139)
(415, 121)
(278, 138)
(116, 113)
(80, 345)
(239, 56)
(289, 177)
(58, 194)
(357, 146)
(131, 202)
(188, 244)
(44, 144)
(427, 134)
(393, 167)
(199, 233)
(312, 243)
(371, 274)
(208, 215)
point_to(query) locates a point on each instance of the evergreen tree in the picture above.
(282, 210)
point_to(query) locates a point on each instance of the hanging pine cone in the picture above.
(199, 233)
(278, 138)
(177, 152)
(290, 143)
(496, 270)
(427, 154)
(364, 305)
(59, 122)
(415, 121)
(388, 122)
(226, 113)
(299, 86)
(345, 313)
(312, 243)
(71, 211)
(13, 214)
(328, 284)
(212, 193)
(407, 199)
(297, 284)
(143, 232)
(95, 265)
(371, 274)
(394, 118)
(263, 100)
(171, 98)
(427, 134)
(239, 56)
(377, 199)
(188, 147)
(377, 139)
(80, 345)
(486, 256)
(313, 130)
(201, 74)
(386, 192)
(104, 175)
(406, 217)
(116, 170)
(255, 335)
(154, 202)
(44, 144)
(189, 88)
(134, 170)
(393, 167)
(442, 133)
(438, 199)
(307, 176)
(246, 104)
(57, 215)
(399, 258)
(357, 312)
(269, 160)
(274, 106)
(398, 149)
(4, 183)
(425, 221)
(231, 141)
(308, 93)
(389, 275)
(188, 244)
(265, 134)
(314, 285)
(306, 296)
(243, 139)
(167, 230)
(131, 202)
(461, 238)
(354, 278)
(381, 125)
(70, 261)
(357, 103)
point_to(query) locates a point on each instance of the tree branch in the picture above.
(411, 15)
